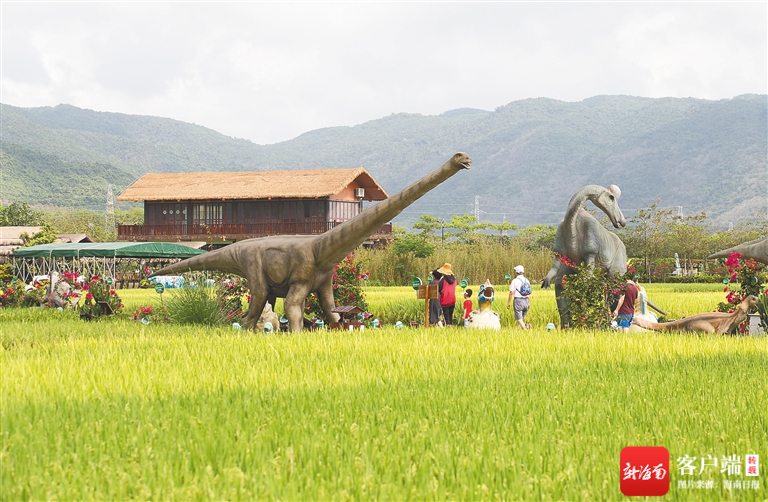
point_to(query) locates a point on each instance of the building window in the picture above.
(207, 214)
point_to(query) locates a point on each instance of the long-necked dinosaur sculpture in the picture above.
(583, 239)
(708, 322)
(757, 250)
(293, 266)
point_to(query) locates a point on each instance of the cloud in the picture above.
(271, 71)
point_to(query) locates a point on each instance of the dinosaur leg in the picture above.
(325, 296)
(562, 307)
(294, 305)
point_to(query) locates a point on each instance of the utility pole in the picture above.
(679, 211)
(477, 208)
(110, 214)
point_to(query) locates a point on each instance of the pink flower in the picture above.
(89, 296)
(734, 276)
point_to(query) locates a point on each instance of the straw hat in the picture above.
(446, 269)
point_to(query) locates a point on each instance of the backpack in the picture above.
(525, 289)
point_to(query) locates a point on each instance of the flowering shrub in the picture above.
(97, 290)
(749, 276)
(151, 314)
(347, 282)
(230, 293)
(590, 294)
(11, 296)
(21, 295)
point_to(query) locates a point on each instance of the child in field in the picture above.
(467, 306)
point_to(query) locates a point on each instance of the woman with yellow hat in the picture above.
(447, 288)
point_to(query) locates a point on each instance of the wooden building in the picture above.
(221, 208)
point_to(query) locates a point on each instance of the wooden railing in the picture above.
(230, 231)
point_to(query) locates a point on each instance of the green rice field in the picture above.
(115, 410)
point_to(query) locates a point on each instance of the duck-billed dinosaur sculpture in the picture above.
(583, 239)
(708, 322)
(757, 250)
(293, 266)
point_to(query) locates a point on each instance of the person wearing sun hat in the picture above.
(520, 293)
(447, 288)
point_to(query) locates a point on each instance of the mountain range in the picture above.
(529, 156)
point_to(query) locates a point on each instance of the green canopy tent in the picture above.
(94, 258)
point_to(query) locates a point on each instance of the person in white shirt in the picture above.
(520, 294)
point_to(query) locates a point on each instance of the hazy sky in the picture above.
(271, 71)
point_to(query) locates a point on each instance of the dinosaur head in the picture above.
(462, 160)
(608, 202)
(749, 304)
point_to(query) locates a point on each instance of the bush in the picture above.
(96, 290)
(230, 293)
(196, 305)
(347, 288)
(6, 272)
(152, 314)
(749, 276)
(590, 295)
(693, 279)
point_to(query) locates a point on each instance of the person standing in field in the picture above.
(467, 306)
(625, 310)
(447, 293)
(435, 311)
(520, 297)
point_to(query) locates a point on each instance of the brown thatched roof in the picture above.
(11, 236)
(305, 184)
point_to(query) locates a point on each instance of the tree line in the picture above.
(652, 237)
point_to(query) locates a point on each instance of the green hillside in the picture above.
(530, 156)
(46, 180)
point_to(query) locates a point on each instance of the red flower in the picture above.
(567, 261)
(89, 296)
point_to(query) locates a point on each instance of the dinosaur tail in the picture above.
(208, 261)
(644, 323)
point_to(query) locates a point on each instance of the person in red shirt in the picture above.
(467, 306)
(625, 310)
(447, 288)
